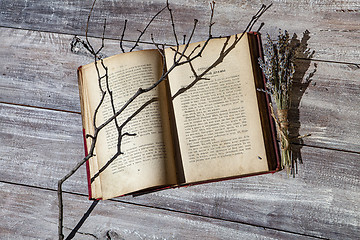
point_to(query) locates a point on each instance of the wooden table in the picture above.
(41, 133)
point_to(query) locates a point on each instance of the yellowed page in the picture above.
(87, 124)
(143, 163)
(218, 120)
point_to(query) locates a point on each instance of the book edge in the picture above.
(271, 121)
(159, 188)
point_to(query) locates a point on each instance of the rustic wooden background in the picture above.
(41, 138)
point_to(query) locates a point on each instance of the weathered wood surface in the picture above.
(334, 24)
(32, 214)
(44, 62)
(315, 203)
(38, 146)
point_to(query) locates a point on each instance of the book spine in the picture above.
(272, 122)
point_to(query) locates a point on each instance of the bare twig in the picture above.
(122, 37)
(180, 58)
(212, 7)
(92, 51)
(146, 27)
(227, 48)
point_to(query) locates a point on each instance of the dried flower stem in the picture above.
(278, 67)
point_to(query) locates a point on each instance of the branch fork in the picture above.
(180, 58)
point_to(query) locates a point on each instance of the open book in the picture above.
(218, 128)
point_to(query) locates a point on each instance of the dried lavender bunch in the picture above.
(278, 67)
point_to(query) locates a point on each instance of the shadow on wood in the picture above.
(82, 220)
(297, 91)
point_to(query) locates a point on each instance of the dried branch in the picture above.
(212, 7)
(91, 49)
(121, 135)
(122, 37)
(180, 58)
(227, 48)
(146, 27)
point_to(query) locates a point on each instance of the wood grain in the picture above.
(31, 213)
(40, 146)
(327, 109)
(41, 71)
(316, 202)
(41, 137)
(333, 24)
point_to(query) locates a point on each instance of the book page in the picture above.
(92, 164)
(218, 120)
(143, 162)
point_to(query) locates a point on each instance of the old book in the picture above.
(217, 129)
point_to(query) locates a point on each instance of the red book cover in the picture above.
(87, 165)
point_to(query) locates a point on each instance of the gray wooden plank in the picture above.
(39, 147)
(32, 214)
(323, 199)
(325, 107)
(41, 71)
(333, 24)
(330, 184)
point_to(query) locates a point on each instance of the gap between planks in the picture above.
(79, 113)
(169, 210)
(151, 43)
(38, 107)
(81, 35)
